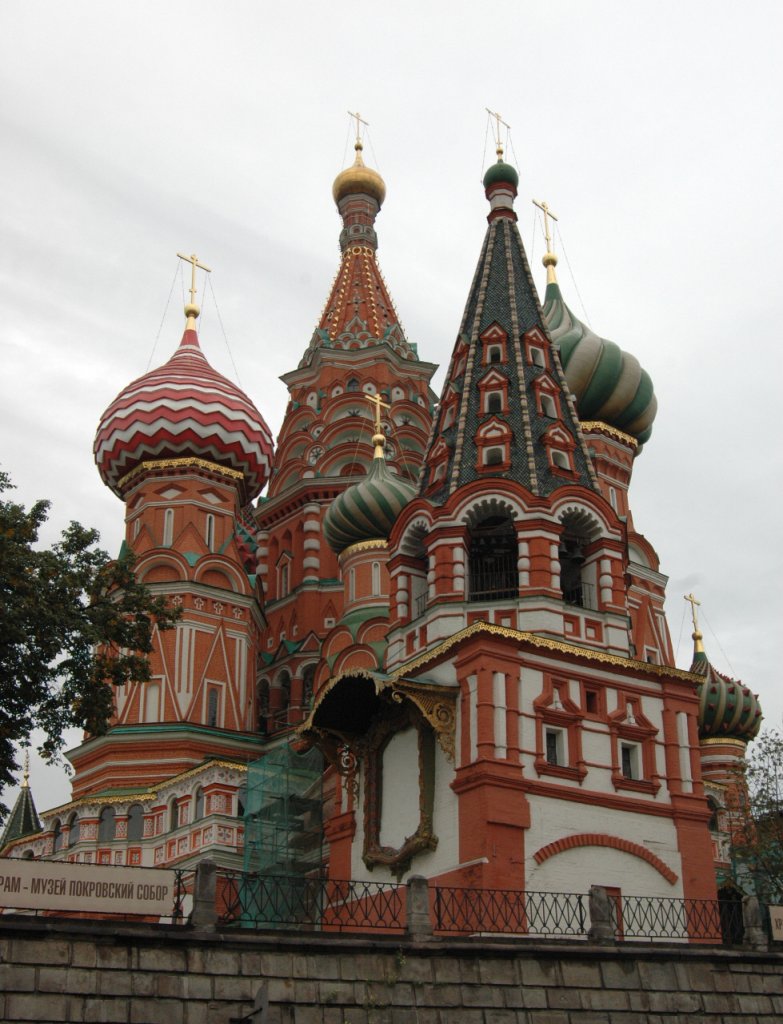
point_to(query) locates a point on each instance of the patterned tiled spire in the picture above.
(23, 819)
(506, 410)
(359, 312)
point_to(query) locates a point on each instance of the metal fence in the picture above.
(316, 904)
(261, 901)
(507, 911)
(649, 917)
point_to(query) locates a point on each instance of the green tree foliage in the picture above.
(758, 839)
(72, 623)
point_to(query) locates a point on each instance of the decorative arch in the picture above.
(209, 569)
(612, 842)
(174, 566)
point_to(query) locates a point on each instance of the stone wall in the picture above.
(56, 970)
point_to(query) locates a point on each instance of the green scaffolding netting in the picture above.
(284, 813)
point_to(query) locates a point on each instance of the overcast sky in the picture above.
(653, 130)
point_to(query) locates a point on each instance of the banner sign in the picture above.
(59, 885)
(776, 919)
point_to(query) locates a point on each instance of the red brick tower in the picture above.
(358, 352)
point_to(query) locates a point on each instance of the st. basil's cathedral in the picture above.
(437, 644)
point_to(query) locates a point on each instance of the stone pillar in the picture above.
(755, 935)
(601, 924)
(419, 926)
(204, 916)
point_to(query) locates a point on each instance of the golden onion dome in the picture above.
(359, 179)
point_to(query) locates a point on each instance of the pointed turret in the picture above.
(359, 311)
(506, 409)
(23, 819)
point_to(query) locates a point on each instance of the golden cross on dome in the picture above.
(379, 404)
(359, 122)
(547, 214)
(26, 776)
(694, 614)
(193, 260)
(498, 122)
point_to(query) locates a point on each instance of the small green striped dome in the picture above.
(726, 707)
(367, 510)
(609, 384)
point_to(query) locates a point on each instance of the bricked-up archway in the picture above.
(601, 839)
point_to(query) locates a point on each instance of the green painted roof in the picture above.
(367, 510)
(726, 707)
(501, 172)
(23, 819)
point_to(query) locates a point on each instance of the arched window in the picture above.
(576, 536)
(352, 385)
(714, 807)
(548, 407)
(493, 457)
(58, 835)
(74, 828)
(27, 855)
(241, 800)
(151, 700)
(263, 704)
(168, 527)
(493, 560)
(106, 825)
(135, 823)
(173, 814)
(213, 703)
(494, 402)
(352, 584)
(308, 684)
(284, 685)
(209, 532)
(199, 808)
(376, 579)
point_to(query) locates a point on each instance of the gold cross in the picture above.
(193, 260)
(359, 122)
(694, 605)
(498, 122)
(379, 404)
(547, 214)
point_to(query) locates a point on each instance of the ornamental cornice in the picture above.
(153, 464)
(376, 544)
(150, 793)
(605, 428)
(545, 644)
(723, 741)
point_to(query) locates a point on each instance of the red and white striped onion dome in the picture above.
(184, 409)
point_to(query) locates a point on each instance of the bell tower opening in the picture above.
(492, 559)
(577, 587)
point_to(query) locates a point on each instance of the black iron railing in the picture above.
(655, 917)
(508, 911)
(493, 579)
(317, 904)
(581, 595)
(183, 886)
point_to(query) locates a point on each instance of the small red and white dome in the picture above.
(184, 409)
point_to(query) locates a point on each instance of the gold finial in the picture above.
(26, 774)
(698, 646)
(378, 439)
(548, 259)
(191, 309)
(498, 122)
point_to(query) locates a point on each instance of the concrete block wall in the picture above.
(53, 970)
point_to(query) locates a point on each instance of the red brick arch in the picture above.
(601, 839)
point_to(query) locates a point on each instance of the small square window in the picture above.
(493, 457)
(591, 702)
(495, 354)
(537, 357)
(560, 459)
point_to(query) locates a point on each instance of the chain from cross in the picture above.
(547, 214)
(379, 404)
(694, 614)
(359, 122)
(193, 260)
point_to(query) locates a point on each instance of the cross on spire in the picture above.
(379, 404)
(694, 614)
(544, 207)
(498, 122)
(359, 122)
(193, 260)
